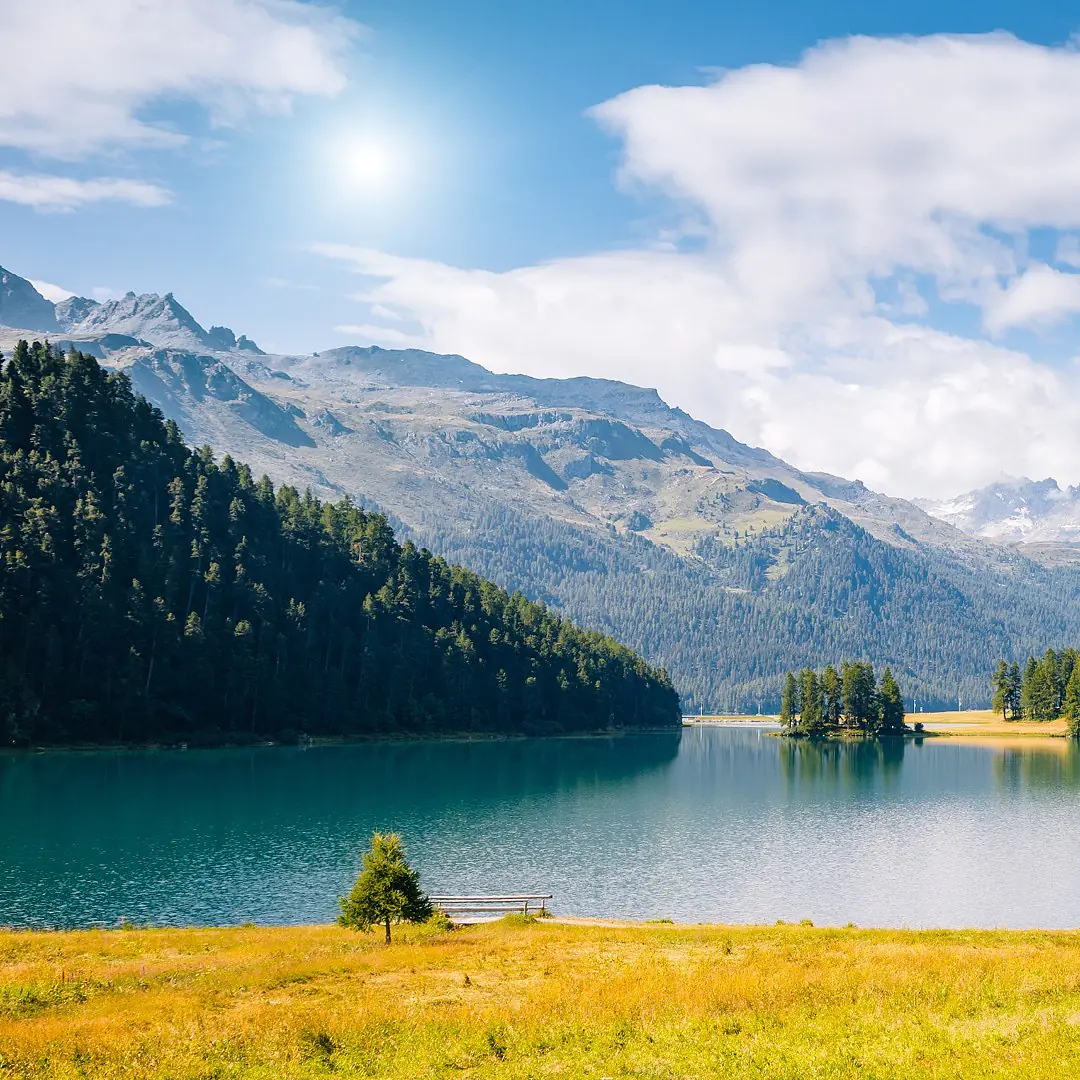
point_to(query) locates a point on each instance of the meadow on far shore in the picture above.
(967, 723)
(517, 998)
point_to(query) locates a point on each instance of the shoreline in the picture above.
(975, 724)
(322, 741)
(123, 927)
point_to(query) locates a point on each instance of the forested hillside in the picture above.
(729, 622)
(715, 560)
(149, 592)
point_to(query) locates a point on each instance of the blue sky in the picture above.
(254, 213)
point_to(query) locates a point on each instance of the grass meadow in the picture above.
(515, 999)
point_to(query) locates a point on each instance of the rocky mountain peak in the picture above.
(22, 307)
(1013, 508)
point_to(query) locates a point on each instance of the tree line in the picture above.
(729, 622)
(1046, 689)
(150, 592)
(850, 699)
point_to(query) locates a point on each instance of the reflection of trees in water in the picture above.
(1051, 765)
(175, 791)
(850, 762)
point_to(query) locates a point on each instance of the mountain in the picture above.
(715, 559)
(150, 317)
(151, 593)
(22, 306)
(1014, 509)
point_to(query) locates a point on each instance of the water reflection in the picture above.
(722, 824)
(1050, 764)
(91, 837)
(849, 764)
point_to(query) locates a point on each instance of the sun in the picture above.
(369, 163)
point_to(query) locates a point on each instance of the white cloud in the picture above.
(381, 335)
(1068, 250)
(1039, 296)
(51, 292)
(62, 193)
(906, 408)
(871, 161)
(79, 76)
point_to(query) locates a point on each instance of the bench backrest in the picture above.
(480, 905)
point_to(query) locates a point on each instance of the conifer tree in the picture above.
(789, 702)
(859, 690)
(833, 698)
(1000, 701)
(1013, 697)
(1072, 701)
(1042, 692)
(891, 703)
(1027, 689)
(150, 593)
(387, 890)
(810, 718)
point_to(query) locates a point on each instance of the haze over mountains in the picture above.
(1032, 511)
(717, 559)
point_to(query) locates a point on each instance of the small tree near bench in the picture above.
(387, 890)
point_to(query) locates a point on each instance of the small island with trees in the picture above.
(845, 702)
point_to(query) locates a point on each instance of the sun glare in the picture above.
(369, 164)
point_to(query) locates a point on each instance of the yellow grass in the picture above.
(543, 1000)
(983, 723)
(970, 723)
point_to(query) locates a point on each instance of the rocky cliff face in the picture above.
(23, 307)
(160, 320)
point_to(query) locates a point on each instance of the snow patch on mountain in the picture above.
(1014, 509)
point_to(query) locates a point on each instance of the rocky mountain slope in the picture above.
(715, 558)
(1031, 511)
(21, 305)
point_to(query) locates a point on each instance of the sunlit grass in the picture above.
(542, 1000)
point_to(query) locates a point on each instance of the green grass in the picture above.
(540, 999)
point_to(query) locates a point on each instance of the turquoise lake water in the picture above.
(717, 823)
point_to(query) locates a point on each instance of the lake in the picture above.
(716, 824)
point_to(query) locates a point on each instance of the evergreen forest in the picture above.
(151, 593)
(850, 699)
(1046, 688)
(728, 622)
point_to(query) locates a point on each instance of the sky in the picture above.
(848, 233)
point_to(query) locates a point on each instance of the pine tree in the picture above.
(1072, 701)
(1042, 701)
(858, 687)
(1013, 697)
(151, 593)
(810, 718)
(789, 702)
(891, 703)
(387, 890)
(1027, 688)
(1000, 702)
(834, 701)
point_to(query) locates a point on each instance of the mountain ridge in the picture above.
(714, 558)
(1014, 508)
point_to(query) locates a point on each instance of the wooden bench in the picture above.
(480, 906)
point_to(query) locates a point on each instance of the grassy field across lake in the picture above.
(549, 999)
(970, 723)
